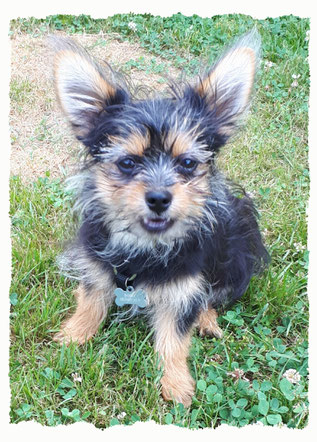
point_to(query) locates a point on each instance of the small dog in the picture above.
(161, 230)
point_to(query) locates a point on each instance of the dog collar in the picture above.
(123, 281)
(125, 292)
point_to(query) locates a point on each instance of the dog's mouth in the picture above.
(156, 225)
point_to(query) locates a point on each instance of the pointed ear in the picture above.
(82, 86)
(228, 85)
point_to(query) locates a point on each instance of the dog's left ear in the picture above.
(227, 87)
(84, 88)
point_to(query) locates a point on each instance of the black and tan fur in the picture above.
(153, 205)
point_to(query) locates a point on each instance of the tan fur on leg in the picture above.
(91, 309)
(207, 323)
(177, 383)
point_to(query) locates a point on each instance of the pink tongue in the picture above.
(156, 221)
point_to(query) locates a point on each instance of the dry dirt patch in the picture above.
(41, 140)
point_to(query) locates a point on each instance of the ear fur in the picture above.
(228, 85)
(83, 88)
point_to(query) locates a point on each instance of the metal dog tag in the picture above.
(130, 297)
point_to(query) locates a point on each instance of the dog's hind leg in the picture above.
(92, 306)
(207, 323)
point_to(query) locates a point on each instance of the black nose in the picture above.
(158, 201)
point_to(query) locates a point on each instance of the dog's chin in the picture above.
(156, 224)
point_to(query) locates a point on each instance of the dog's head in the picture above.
(152, 160)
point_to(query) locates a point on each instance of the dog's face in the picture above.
(153, 175)
(153, 181)
(153, 159)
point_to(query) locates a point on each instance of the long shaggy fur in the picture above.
(153, 209)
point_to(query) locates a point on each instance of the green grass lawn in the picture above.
(114, 379)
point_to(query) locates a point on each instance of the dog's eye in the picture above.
(127, 165)
(187, 165)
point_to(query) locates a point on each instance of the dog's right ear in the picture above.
(83, 88)
(226, 88)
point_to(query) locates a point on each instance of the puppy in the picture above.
(161, 230)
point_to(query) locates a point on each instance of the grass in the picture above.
(114, 379)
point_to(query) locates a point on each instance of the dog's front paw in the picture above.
(68, 334)
(63, 338)
(180, 390)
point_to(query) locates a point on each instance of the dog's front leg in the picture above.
(172, 347)
(92, 307)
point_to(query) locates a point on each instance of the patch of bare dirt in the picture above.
(41, 140)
